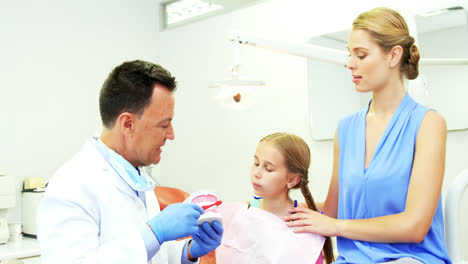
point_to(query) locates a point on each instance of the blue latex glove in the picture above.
(176, 221)
(207, 239)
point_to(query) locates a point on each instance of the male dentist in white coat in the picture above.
(100, 206)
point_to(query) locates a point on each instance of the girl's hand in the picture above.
(309, 221)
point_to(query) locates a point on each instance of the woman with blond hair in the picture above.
(384, 199)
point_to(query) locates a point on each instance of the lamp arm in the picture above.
(443, 61)
(315, 52)
(319, 53)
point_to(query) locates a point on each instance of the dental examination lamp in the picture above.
(239, 94)
(236, 93)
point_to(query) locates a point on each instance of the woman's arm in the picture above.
(424, 189)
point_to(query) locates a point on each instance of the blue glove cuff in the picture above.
(189, 247)
(157, 232)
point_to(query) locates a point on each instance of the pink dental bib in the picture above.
(252, 235)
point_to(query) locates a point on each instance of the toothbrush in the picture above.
(210, 205)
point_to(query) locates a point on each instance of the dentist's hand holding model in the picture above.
(100, 206)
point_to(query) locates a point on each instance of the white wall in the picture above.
(56, 55)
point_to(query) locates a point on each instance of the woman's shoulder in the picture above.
(426, 114)
(434, 118)
(427, 119)
(433, 123)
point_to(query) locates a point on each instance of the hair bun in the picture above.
(413, 62)
(414, 54)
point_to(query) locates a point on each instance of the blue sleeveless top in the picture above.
(381, 189)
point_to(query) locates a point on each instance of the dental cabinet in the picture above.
(26, 249)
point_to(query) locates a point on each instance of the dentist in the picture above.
(100, 207)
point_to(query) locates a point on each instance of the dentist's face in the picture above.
(368, 62)
(153, 128)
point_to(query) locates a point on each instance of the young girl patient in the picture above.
(255, 231)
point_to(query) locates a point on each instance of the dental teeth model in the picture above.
(209, 202)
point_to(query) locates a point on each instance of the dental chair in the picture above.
(452, 216)
(170, 195)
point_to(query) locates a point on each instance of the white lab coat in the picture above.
(90, 215)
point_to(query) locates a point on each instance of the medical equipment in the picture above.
(237, 93)
(16, 232)
(4, 232)
(33, 183)
(12, 261)
(452, 216)
(7, 200)
(33, 192)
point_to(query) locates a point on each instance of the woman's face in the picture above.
(368, 63)
(269, 174)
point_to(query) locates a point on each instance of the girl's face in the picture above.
(368, 63)
(269, 174)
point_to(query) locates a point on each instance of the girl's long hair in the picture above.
(296, 154)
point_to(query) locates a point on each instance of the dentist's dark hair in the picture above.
(388, 28)
(296, 154)
(129, 88)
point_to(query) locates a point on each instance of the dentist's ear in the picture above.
(126, 122)
(293, 180)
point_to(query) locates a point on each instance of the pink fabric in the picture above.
(252, 235)
(320, 259)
